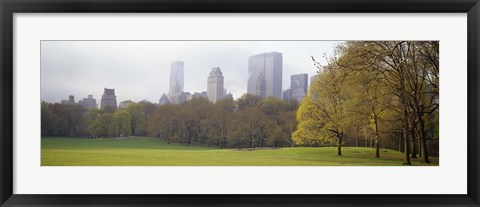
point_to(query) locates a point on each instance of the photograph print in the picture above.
(240, 103)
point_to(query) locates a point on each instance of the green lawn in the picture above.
(155, 152)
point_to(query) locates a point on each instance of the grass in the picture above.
(155, 152)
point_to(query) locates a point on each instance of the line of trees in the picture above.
(247, 122)
(386, 88)
(72, 120)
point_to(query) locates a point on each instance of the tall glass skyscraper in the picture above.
(176, 80)
(270, 66)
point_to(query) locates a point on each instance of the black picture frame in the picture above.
(9, 7)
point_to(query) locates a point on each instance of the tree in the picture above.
(109, 109)
(49, 120)
(120, 124)
(280, 130)
(92, 115)
(324, 113)
(191, 113)
(148, 109)
(125, 104)
(215, 126)
(101, 127)
(70, 117)
(137, 117)
(279, 121)
(369, 94)
(424, 87)
(226, 104)
(165, 123)
(248, 128)
(248, 100)
(409, 70)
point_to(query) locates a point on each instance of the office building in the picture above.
(267, 66)
(163, 100)
(108, 99)
(298, 86)
(215, 90)
(176, 80)
(88, 103)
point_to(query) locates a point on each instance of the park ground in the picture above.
(140, 151)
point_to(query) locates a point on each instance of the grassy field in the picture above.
(155, 152)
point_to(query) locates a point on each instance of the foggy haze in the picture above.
(139, 70)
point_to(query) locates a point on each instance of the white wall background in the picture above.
(449, 177)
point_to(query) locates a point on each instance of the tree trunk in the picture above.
(366, 139)
(414, 149)
(356, 138)
(377, 137)
(406, 160)
(146, 126)
(424, 151)
(424, 142)
(413, 143)
(340, 146)
(400, 142)
(419, 144)
(251, 142)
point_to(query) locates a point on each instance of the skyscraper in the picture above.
(298, 86)
(176, 80)
(71, 100)
(163, 100)
(184, 97)
(268, 65)
(202, 94)
(287, 95)
(215, 90)
(88, 103)
(108, 99)
(261, 86)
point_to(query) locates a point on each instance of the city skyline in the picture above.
(132, 68)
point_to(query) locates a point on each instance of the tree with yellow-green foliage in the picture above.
(121, 123)
(324, 115)
(410, 70)
(370, 95)
(136, 116)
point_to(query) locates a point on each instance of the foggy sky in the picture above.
(140, 70)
